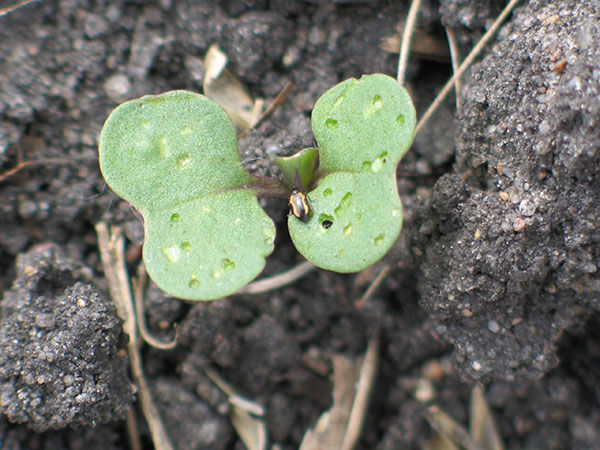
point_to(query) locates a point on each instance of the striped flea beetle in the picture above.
(299, 206)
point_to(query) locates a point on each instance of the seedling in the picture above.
(174, 157)
(363, 128)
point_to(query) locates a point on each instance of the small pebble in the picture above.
(424, 391)
(519, 225)
(117, 87)
(527, 207)
(493, 326)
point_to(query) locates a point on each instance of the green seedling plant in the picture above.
(174, 157)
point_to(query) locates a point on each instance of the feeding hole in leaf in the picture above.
(184, 160)
(372, 108)
(172, 253)
(326, 221)
(344, 205)
(332, 124)
(377, 102)
(338, 101)
(379, 162)
(163, 147)
(228, 264)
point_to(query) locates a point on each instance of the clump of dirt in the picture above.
(511, 255)
(60, 364)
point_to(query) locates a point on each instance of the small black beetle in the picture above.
(299, 206)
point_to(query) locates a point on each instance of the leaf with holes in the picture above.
(174, 157)
(363, 128)
(364, 125)
(355, 219)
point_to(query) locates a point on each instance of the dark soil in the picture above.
(494, 279)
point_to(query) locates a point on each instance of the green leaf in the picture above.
(364, 125)
(355, 220)
(363, 128)
(299, 169)
(208, 247)
(174, 157)
(164, 149)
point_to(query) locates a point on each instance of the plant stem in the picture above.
(407, 33)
